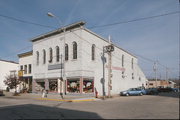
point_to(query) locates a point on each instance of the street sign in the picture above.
(109, 48)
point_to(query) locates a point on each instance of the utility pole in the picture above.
(167, 70)
(155, 70)
(109, 49)
(103, 79)
(61, 79)
(109, 74)
(179, 38)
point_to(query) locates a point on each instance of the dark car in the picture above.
(175, 89)
(152, 91)
(168, 89)
(1, 93)
(133, 91)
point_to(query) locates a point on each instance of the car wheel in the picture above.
(127, 94)
(140, 94)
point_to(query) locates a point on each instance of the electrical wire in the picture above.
(134, 20)
(23, 21)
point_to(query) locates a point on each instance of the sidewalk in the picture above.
(53, 97)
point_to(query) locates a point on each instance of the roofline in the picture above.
(9, 61)
(107, 41)
(25, 54)
(69, 27)
(59, 30)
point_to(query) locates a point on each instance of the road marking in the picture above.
(65, 100)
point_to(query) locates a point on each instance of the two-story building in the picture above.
(25, 66)
(70, 60)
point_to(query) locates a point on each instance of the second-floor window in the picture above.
(93, 52)
(122, 60)
(74, 50)
(132, 63)
(132, 75)
(25, 69)
(57, 54)
(29, 69)
(37, 58)
(66, 52)
(21, 67)
(50, 55)
(44, 56)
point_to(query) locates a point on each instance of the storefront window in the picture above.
(73, 86)
(40, 86)
(53, 86)
(88, 86)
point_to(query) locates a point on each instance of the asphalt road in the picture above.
(163, 106)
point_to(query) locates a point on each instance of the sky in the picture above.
(156, 39)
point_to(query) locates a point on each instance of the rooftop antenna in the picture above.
(109, 38)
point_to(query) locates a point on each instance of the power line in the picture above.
(23, 21)
(134, 20)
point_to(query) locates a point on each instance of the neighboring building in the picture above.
(81, 52)
(25, 65)
(5, 68)
(161, 83)
(172, 84)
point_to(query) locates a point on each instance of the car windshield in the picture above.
(131, 89)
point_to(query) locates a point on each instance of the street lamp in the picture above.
(62, 65)
(52, 15)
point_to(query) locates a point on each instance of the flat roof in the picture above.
(25, 54)
(9, 61)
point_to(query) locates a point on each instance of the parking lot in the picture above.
(162, 106)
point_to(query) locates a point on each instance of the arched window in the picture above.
(44, 56)
(74, 50)
(57, 53)
(66, 52)
(50, 55)
(132, 63)
(93, 52)
(37, 58)
(122, 60)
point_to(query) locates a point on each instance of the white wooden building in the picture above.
(25, 65)
(76, 56)
(5, 68)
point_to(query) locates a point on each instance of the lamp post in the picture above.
(62, 64)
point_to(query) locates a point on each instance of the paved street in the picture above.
(164, 106)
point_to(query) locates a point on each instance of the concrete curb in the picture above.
(75, 100)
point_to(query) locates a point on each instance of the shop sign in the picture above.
(56, 66)
(20, 73)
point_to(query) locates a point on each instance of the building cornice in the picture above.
(58, 31)
(9, 61)
(25, 54)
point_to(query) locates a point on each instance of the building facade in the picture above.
(72, 62)
(161, 83)
(25, 66)
(5, 68)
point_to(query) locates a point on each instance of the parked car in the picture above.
(1, 93)
(168, 89)
(175, 89)
(152, 91)
(133, 91)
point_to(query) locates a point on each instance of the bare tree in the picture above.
(12, 81)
